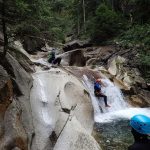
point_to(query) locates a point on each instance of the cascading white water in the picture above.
(119, 108)
(95, 104)
(114, 97)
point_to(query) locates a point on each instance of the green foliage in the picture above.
(140, 10)
(145, 63)
(26, 29)
(42, 18)
(23, 7)
(145, 59)
(99, 20)
(57, 34)
(104, 19)
(139, 37)
(106, 24)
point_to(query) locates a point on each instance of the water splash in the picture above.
(119, 108)
(115, 97)
(127, 113)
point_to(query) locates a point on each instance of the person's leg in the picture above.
(57, 61)
(105, 99)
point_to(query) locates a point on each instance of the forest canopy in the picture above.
(126, 21)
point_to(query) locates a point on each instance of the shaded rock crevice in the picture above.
(77, 58)
(15, 112)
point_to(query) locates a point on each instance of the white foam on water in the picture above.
(127, 113)
(119, 108)
(115, 97)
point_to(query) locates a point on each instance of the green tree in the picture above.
(106, 24)
(39, 19)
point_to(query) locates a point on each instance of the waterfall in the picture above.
(114, 97)
(119, 108)
(89, 86)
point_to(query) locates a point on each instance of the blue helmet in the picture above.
(141, 124)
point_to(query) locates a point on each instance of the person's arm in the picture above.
(102, 84)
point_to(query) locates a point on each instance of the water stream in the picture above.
(112, 124)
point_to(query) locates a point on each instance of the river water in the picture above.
(112, 124)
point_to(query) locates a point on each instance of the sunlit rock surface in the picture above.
(56, 98)
(75, 137)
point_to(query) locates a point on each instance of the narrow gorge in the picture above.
(54, 107)
(74, 74)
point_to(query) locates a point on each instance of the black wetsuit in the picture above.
(141, 141)
(145, 145)
(53, 59)
(57, 61)
(97, 92)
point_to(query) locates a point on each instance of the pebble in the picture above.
(107, 141)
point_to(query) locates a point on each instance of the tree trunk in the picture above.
(83, 2)
(78, 24)
(112, 4)
(4, 29)
(131, 18)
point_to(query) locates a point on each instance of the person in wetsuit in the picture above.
(97, 91)
(53, 59)
(140, 129)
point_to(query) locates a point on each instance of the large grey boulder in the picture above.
(76, 44)
(1, 39)
(77, 58)
(115, 65)
(6, 92)
(129, 79)
(18, 52)
(63, 112)
(129, 76)
(75, 137)
(32, 44)
(73, 58)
